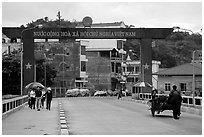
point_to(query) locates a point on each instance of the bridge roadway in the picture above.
(100, 116)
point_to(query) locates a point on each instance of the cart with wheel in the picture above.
(159, 104)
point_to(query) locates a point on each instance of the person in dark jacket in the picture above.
(154, 93)
(38, 94)
(175, 100)
(43, 98)
(48, 98)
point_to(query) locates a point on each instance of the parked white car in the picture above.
(72, 93)
(77, 92)
(100, 93)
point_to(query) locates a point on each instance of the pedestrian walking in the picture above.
(120, 94)
(43, 98)
(38, 95)
(154, 93)
(175, 100)
(48, 98)
(32, 97)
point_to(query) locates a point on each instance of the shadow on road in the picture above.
(164, 116)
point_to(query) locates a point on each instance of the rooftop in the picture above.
(100, 49)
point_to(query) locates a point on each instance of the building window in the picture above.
(83, 50)
(13, 40)
(123, 69)
(130, 79)
(118, 68)
(83, 66)
(63, 83)
(183, 86)
(167, 87)
(136, 79)
(130, 69)
(112, 67)
(105, 54)
(137, 70)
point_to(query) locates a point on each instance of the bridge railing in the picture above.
(13, 104)
(187, 100)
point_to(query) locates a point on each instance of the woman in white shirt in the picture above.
(32, 96)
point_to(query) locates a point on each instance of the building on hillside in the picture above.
(182, 77)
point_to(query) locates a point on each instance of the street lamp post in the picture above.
(193, 82)
(22, 70)
(45, 70)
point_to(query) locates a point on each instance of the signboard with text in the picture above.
(99, 33)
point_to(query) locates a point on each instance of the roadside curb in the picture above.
(191, 110)
(62, 119)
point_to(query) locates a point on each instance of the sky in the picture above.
(187, 15)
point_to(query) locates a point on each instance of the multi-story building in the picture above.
(100, 53)
(132, 72)
(100, 67)
(68, 58)
(105, 72)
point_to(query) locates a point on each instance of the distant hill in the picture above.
(175, 50)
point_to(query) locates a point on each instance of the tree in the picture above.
(40, 75)
(59, 22)
(11, 76)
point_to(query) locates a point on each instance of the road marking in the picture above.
(63, 122)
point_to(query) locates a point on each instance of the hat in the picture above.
(49, 88)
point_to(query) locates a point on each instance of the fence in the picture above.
(187, 100)
(59, 91)
(10, 105)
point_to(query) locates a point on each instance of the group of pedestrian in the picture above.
(37, 97)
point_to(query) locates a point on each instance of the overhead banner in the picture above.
(99, 33)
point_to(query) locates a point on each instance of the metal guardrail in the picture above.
(10, 105)
(187, 100)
